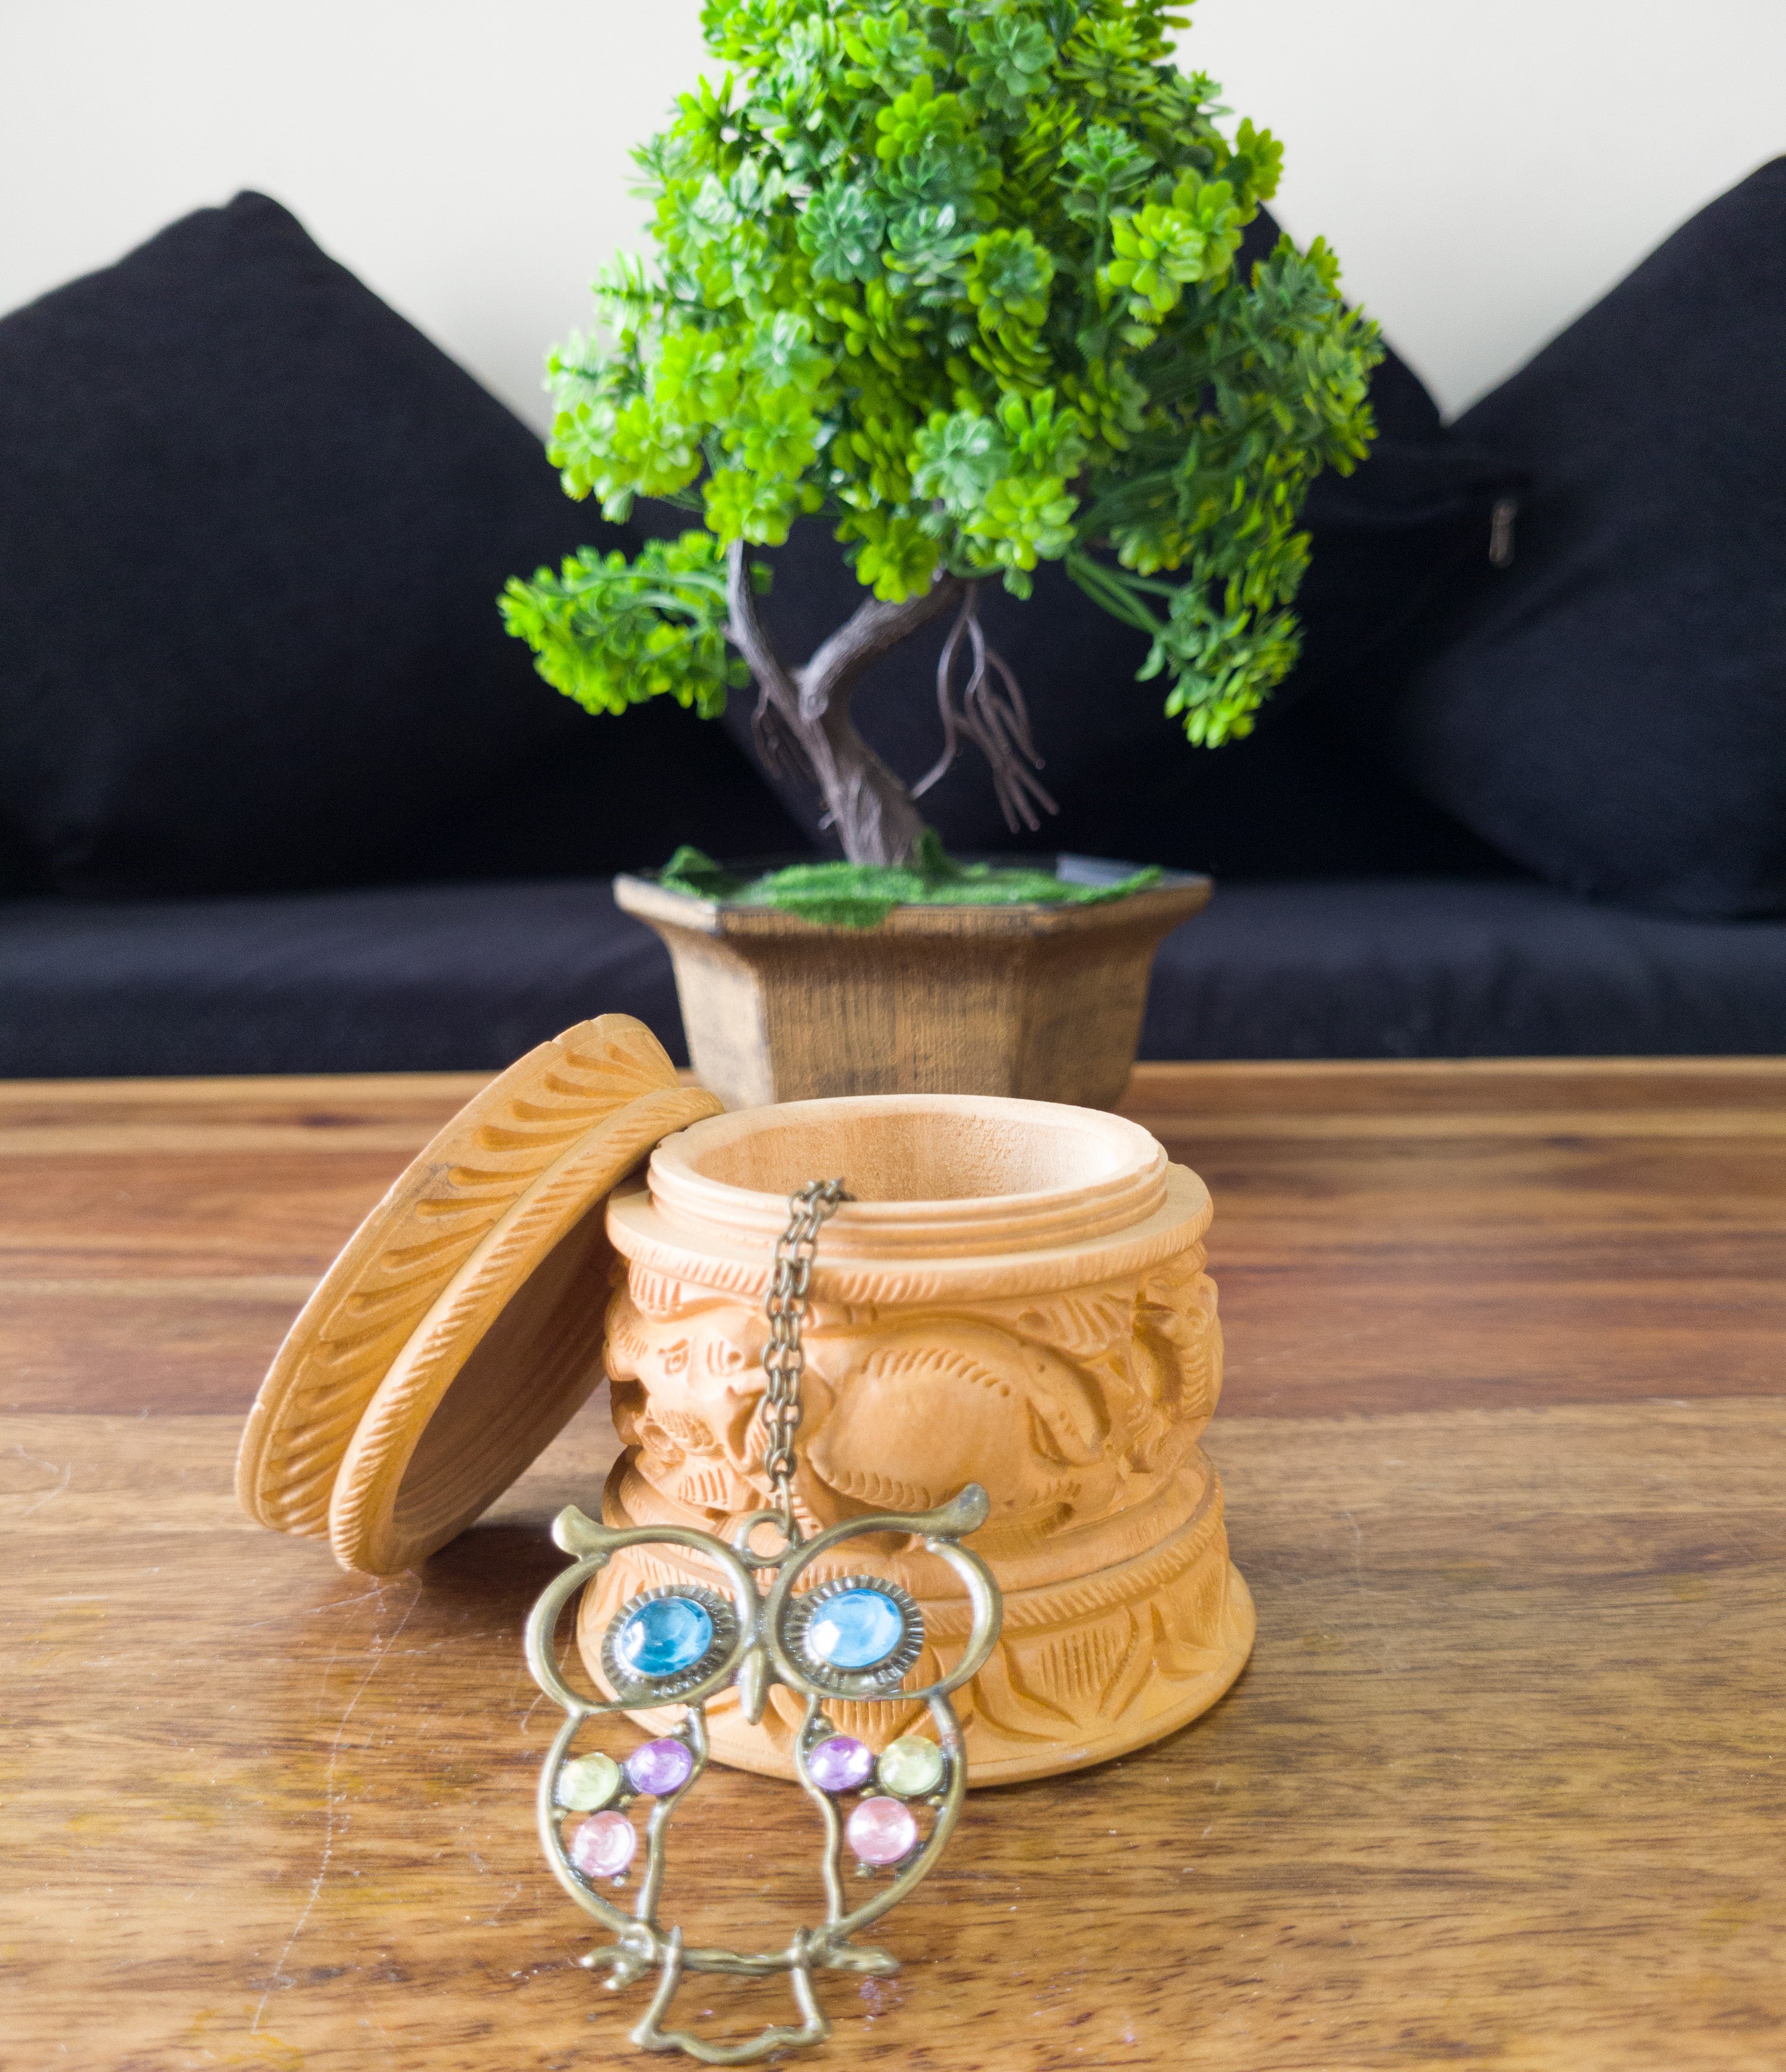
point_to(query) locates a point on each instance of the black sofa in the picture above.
(277, 796)
(463, 977)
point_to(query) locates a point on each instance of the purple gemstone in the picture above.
(840, 1764)
(660, 1768)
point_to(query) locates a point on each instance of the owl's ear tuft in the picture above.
(574, 1533)
(965, 1512)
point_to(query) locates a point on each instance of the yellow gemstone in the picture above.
(910, 1766)
(588, 1782)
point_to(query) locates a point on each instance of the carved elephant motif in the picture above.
(1063, 1407)
(936, 1402)
(686, 1382)
(1079, 1408)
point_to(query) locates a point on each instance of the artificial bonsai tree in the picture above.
(961, 280)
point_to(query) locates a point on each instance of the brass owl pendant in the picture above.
(847, 1638)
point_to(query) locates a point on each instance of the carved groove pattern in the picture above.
(361, 1523)
(1079, 1408)
(902, 1285)
(406, 1253)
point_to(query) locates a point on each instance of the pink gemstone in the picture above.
(840, 1764)
(660, 1768)
(881, 1830)
(603, 1844)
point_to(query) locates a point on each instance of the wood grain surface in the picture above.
(1044, 1003)
(1504, 1444)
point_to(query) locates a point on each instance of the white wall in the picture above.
(1485, 168)
(1488, 169)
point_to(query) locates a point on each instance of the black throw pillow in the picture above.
(253, 529)
(1613, 710)
(1305, 792)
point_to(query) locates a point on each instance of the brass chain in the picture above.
(784, 1360)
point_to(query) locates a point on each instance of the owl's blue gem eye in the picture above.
(855, 1628)
(665, 1636)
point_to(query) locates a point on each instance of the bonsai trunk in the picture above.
(802, 719)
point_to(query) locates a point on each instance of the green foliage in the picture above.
(610, 633)
(861, 895)
(959, 274)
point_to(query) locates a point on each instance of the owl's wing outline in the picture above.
(638, 1944)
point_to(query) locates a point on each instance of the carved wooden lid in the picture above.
(461, 1328)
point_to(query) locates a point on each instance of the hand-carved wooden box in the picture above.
(1015, 1297)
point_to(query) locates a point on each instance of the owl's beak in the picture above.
(752, 1683)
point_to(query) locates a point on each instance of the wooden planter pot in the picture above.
(1017, 1297)
(1040, 1002)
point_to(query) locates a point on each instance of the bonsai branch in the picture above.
(803, 724)
(774, 724)
(991, 712)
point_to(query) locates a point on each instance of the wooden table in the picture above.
(1504, 1444)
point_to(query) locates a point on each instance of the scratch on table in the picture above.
(385, 2034)
(62, 1475)
(1743, 1531)
(1362, 1589)
(310, 1611)
(1323, 1342)
(372, 1669)
(507, 1900)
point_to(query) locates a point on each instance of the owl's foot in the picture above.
(814, 2026)
(629, 1959)
(850, 1957)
